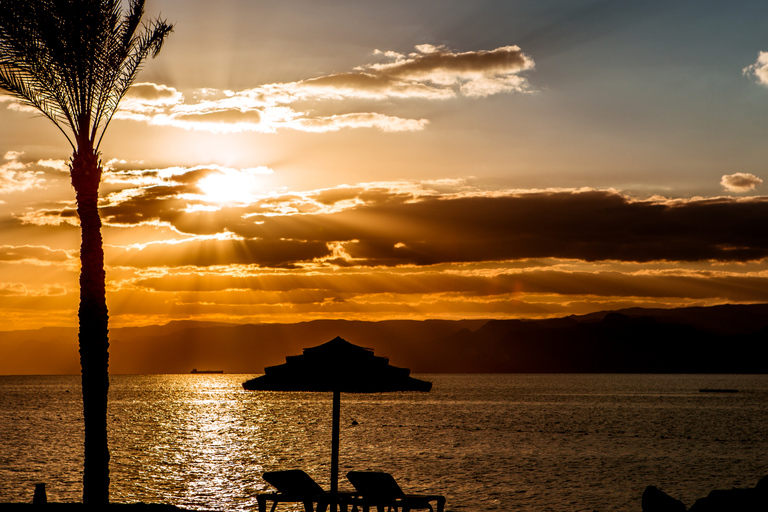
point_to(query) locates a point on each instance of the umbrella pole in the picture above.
(335, 449)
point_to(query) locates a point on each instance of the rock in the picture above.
(656, 500)
(754, 499)
(733, 500)
(762, 486)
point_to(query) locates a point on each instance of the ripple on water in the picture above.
(488, 442)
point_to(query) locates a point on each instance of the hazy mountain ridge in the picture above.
(724, 319)
(720, 339)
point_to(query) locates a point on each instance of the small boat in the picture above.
(195, 370)
(718, 390)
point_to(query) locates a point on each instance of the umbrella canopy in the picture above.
(337, 366)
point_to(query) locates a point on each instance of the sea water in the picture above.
(487, 442)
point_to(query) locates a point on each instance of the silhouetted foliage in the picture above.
(73, 61)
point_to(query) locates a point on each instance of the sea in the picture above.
(565, 443)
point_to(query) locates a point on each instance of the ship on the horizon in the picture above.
(195, 370)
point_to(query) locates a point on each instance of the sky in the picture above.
(369, 160)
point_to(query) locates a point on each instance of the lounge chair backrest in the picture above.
(294, 482)
(375, 484)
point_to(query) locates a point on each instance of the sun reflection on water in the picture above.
(198, 433)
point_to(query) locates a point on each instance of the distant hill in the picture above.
(720, 339)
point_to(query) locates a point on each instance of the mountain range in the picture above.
(718, 339)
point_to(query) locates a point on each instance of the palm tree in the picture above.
(73, 61)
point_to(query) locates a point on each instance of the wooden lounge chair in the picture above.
(380, 490)
(295, 486)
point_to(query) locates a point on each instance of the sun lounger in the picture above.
(380, 490)
(295, 486)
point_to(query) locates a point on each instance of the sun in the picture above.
(232, 186)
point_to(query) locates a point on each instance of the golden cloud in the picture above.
(740, 182)
(480, 73)
(430, 73)
(18, 176)
(12, 289)
(606, 283)
(32, 252)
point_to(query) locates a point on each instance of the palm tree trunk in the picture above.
(94, 334)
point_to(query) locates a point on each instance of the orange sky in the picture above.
(279, 163)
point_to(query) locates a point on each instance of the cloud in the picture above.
(146, 94)
(432, 73)
(601, 283)
(209, 252)
(740, 182)
(19, 176)
(57, 165)
(417, 224)
(32, 252)
(588, 225)
(759, 70)
(168, 196)
(12, 289)
(227, 218)
(473, 74)
(366, 120)
(367, 85)
(50, 217)
(51, 290)
(429, 73)
(231, 116)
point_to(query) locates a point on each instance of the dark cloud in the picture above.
(590, 226)
(390, 227)
(156, 204)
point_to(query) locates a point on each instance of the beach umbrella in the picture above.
(336, 366)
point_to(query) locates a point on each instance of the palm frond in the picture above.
(24, 69)
(149, 42)
(74, 60)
